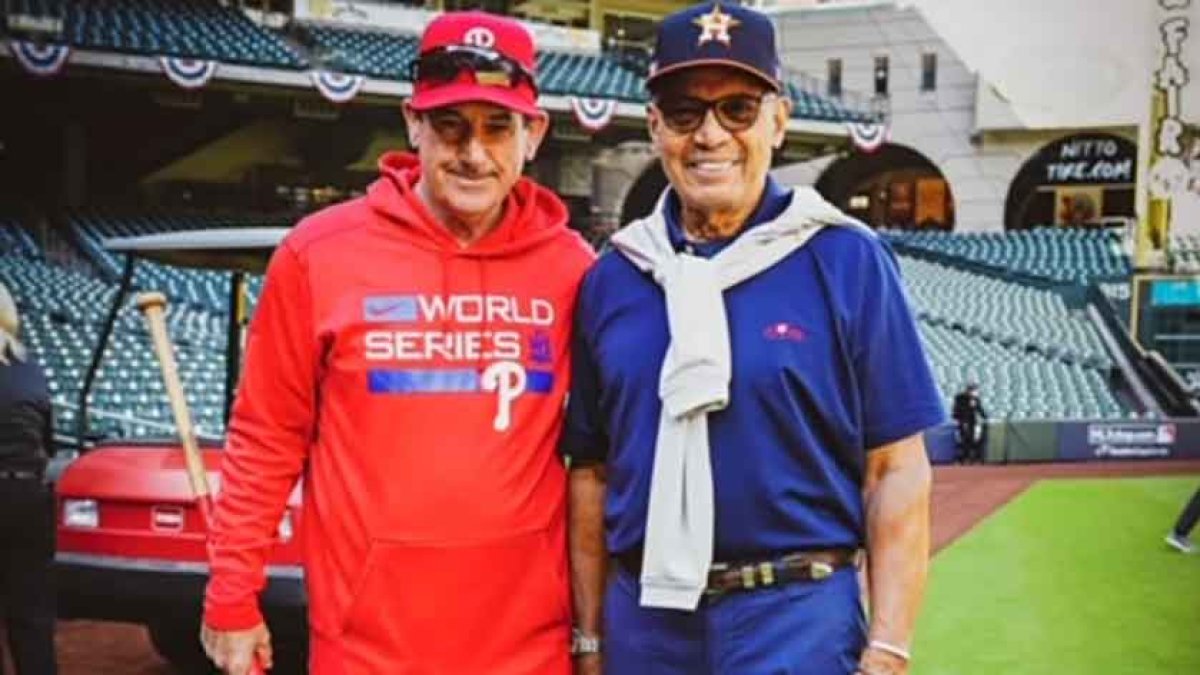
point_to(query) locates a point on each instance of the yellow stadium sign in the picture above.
(1169, 194)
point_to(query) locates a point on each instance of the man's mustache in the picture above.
(467, 170)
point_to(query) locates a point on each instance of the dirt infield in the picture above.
(965, 495)
(962, 496)
(106, 649)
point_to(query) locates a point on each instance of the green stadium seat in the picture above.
(1053, 253)
(202, 29)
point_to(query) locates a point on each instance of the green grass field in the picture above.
(1071, 578)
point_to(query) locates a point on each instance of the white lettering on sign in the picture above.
(1101, 171)
(1089, 147)
(1170, 78)
(1173, 173)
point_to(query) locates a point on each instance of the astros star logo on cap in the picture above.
(715, 26)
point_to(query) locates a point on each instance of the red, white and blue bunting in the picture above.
(869, 136)
(188, 73)
(41, 60)
(337, 87)
(593, 114)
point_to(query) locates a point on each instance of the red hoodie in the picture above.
(419, 386)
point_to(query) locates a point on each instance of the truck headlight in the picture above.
(84, 513)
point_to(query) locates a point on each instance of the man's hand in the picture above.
(896, 494)
(877, 662)
(234, 651)
(589, 664)
(588, 555)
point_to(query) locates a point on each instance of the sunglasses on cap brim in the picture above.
(490, 68)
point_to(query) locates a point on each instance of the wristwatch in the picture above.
(583, 644)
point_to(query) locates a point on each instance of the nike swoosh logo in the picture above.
(380, 310)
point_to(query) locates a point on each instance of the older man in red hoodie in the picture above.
(409, 359)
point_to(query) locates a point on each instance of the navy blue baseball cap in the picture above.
(717, 34)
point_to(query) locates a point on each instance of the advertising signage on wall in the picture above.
(1160, 439)
(1125, 439)
(1166, 313)
(1175, 293)
(1118, 440)
(1083, 179)
(1089, 159)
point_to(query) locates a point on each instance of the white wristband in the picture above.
(890, 649)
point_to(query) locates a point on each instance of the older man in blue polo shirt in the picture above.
(748, 400)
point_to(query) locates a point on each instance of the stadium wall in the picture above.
(979, 158)
(1029, 441)
(937, 123)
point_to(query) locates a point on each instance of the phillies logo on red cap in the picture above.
(475, 56)
(481, 30)
(480, 37)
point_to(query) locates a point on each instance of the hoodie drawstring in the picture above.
(443, 295)
(485, 328)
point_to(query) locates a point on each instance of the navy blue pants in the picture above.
(804, 628)
(1189, 516)
(26, 586)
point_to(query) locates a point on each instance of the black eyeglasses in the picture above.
(685, 114)
(490, 67)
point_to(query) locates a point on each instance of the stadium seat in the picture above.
(1053, 253)
(204, 29)
(63, 311)
(14, 240)
(1185, 250)
(1032, 356)
(200, 290)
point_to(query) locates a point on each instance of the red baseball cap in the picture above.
(492, 41)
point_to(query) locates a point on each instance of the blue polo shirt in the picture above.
(827, 365)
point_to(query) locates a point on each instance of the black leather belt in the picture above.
(747, 575)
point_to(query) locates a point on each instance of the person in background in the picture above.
(26, 501)
(1179, 538)
(969, 419)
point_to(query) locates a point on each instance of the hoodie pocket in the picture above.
(497, 606)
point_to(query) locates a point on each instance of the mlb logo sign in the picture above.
(1165, 434)
(389, 308)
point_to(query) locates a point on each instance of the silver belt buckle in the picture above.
(819, 570)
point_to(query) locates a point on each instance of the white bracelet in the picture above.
(890, 649)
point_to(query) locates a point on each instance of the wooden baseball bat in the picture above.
(153, 307)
